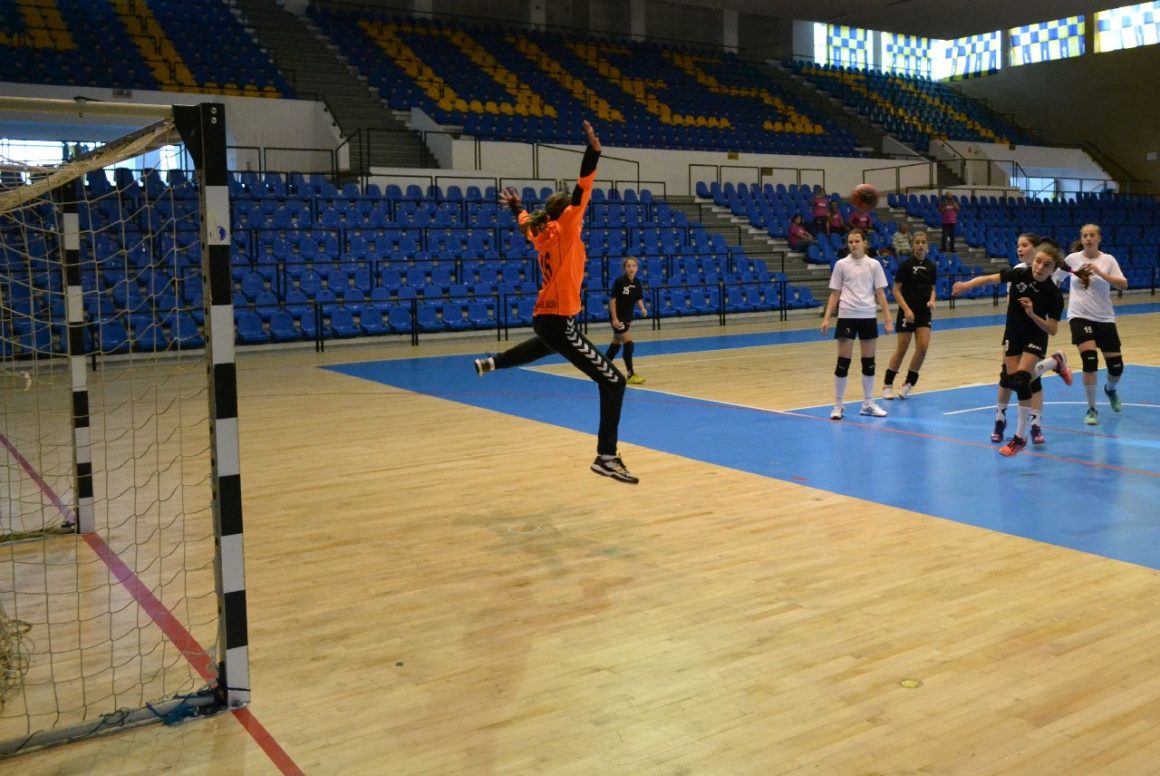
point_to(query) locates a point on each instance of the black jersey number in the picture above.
(546, 266)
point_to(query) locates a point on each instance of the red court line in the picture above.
(271, 747)
(35, 476)
(170, 625)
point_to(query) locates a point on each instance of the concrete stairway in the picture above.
(813, 101)
(317, 70)
(756, 243)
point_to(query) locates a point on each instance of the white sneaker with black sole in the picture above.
(484, 365)
(612, 466)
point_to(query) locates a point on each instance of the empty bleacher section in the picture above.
(315, 261)
(536, 87)
(164, 45)
(911, 108)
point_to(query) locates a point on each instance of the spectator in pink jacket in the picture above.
(949, 208)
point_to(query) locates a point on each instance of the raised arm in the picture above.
(587, 164)
(979, 280)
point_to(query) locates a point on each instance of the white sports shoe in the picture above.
(872, 409)
(837, 412)
(905, 390)
(888, 392)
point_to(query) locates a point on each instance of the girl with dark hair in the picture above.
(1033, 313)
(627, 293)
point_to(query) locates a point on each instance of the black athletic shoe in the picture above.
(997, 434)
(614, 468)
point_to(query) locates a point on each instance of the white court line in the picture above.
(578, 375)
(1046, 403)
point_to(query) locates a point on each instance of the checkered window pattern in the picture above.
(909, 54)
(974, 54)
(1045, 41)
(1128, 27)
(849, 46)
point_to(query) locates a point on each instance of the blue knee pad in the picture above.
(1115, 365)
(868, 366)
(843, 367)
(1091, 361)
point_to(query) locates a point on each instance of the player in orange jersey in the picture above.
(555, 231)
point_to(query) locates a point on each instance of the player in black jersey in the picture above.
(914, 292)
(1033, 310)
(627, 293)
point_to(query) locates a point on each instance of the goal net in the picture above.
(114, 595)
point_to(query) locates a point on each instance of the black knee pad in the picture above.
(1036, 385)
(868, 366)
(1020, 383)
(843, 367)
(1004, 378)
(1091, 361)
(1115, 365)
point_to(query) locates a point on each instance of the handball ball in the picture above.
(864, 196)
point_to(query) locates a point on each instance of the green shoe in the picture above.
(635, 379)
(1092, 418)
(1114, 399)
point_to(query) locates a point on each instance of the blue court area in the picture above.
(1090, 488)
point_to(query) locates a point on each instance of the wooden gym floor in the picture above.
(438, 585)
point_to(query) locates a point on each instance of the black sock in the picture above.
(912, 377)
(890, 375)
(613, 349)
(628, 356)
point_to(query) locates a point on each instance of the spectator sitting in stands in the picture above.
(901, 242)
(820, 210)
(860, 219)
(798, 236)
(837, 224)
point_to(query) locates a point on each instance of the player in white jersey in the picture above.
(1093, 319)
(857, 289)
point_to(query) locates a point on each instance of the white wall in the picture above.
(664, 172)
(250, 122)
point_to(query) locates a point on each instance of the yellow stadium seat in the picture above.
(475, 106)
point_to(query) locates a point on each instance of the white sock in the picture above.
(1046, 365)
(867, 388)
(1024, 416)
(1090, 390)
(1112, 385)
(1001, 412)
(839, 389)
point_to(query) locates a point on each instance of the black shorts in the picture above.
(856, 328)
(627, 324)
(1036, 343)
(1106, 336)
(922, 317)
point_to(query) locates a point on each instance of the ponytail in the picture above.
(537, 221)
